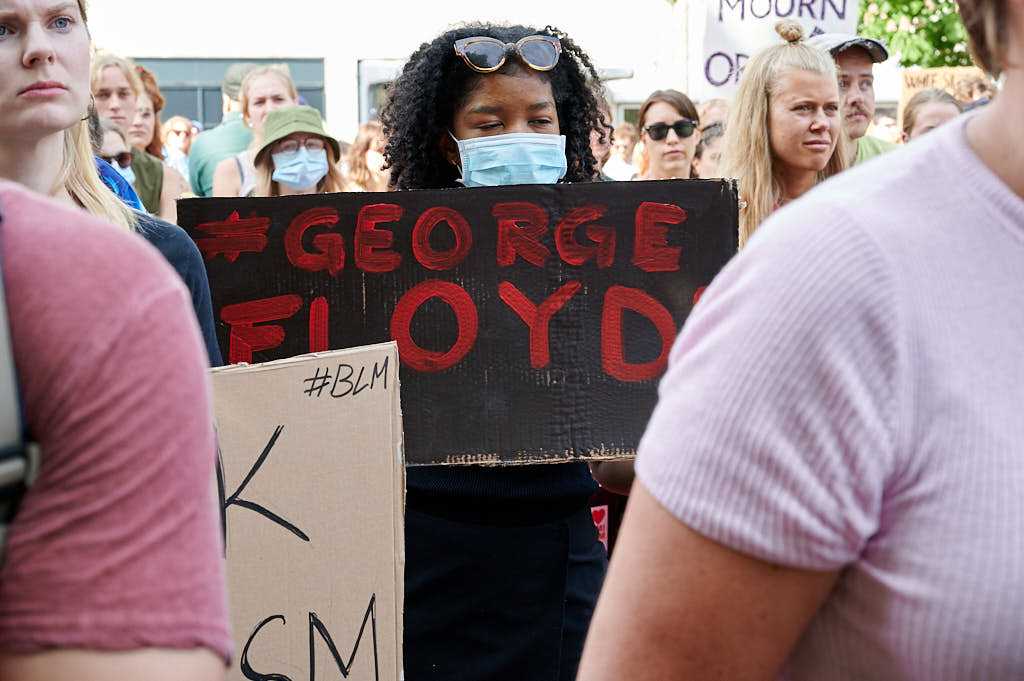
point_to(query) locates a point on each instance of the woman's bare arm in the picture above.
(173, 187)
(677, 605)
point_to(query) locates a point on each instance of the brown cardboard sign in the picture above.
(533, 321)
(311, 487)
(956, 80)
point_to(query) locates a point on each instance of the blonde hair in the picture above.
(986, 21)
(706, 108)
(80, 178)
(103, 60)
(279, 70)
(332, 182)
(168, 126)
(928, 96)
(747, 155)
(359, 174)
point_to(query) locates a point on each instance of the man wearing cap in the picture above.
(855, 58)
(227, 139)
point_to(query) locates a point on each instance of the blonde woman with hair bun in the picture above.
(784, 127)
(829, 488)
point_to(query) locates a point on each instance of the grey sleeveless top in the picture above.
(246, 171)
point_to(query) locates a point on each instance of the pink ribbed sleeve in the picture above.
(774, 429)
(848, 396)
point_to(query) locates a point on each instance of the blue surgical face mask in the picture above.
(300, 169)
(127, 173)
(513, 158)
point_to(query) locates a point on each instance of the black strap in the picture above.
(18, 458)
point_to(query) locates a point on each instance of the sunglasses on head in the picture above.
(684, 127)
(124, 159)
(486, 55)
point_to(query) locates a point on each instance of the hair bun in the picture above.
(791, 31)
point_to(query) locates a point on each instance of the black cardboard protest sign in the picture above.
(532, 322)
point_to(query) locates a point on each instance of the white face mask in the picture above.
(512, 158)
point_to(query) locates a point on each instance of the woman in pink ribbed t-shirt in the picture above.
(832, 484)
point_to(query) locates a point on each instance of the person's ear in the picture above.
(449, 149)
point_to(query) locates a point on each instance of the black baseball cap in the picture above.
(834, 43)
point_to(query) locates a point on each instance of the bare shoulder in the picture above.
(226, 178)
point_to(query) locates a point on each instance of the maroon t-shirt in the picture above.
(117, 544)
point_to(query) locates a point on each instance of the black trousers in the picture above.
(489, 599)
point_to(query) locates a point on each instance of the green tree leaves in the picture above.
(924, 32)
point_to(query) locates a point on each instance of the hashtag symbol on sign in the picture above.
(318, 382)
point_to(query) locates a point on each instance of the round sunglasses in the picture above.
(684, 127)
(486, 54)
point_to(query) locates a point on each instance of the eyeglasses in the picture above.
(291, 146)
(486, 55)
(124, 159)
(684, 127)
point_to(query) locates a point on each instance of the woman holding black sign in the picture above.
(503, 565)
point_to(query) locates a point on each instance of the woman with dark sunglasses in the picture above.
(115, 150)
(670, 130)
(503, 565)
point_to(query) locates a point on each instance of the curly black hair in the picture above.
(435, 82)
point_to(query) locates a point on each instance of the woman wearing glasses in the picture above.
(115, 150)
(264, 89)
(118, 92)
(503, 566)
(669, 129)
(297, 156)
(177, 136)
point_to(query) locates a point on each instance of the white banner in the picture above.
(724, 34)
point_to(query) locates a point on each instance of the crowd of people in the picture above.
(828, 488)
(223, 160)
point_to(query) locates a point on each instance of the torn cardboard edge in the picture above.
(529, 458)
